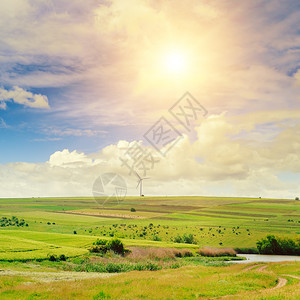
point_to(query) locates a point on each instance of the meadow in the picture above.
(217, 222)
(188, 282)
(35, 228)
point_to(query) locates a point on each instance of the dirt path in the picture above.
(252, 267)
(293, 276)
(281, 283)
(55, 276)
(261, 268)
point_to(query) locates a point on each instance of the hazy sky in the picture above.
(81, 82)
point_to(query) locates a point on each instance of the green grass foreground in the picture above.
(70, 226)
(190, 282)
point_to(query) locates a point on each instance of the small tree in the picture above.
(100, 242)
(297, 198)
(116, 245)
(62, 257)
(52, 257)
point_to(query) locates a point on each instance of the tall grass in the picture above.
(139, 259)
(157, 253)
(216, 252)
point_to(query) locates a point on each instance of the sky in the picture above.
(85, 84)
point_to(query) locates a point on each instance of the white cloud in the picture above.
(47, 139)
(217, 163)
(72, 132)
(107, 54)
(21, 96)
(3, 123)
(66, 158)
(243, 59)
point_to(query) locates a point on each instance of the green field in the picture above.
(190, 282)
(218, 222)
(69, 226)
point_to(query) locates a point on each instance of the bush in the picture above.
(102, 246)
(62, 257)
(297, 198)
(186, 239)
(52, 257)
(149, 266)
(187, 253)
(246, 250)
(114, 268)
(14, 221)
(116, 245)
(132, 209)
(74, 232)
(100, 242)
(275, 245)
(156, 238)
(99, 249)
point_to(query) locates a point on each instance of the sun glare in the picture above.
(175, 62)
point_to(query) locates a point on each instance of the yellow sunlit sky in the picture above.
(82, 81)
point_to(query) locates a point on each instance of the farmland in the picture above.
(226, 222)
(69, 227)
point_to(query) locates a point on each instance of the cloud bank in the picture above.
(20, 96)
(224, 160)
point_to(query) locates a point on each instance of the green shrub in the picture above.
(186, 239)
(100, 242)
(156, 238)
(116, 245)
(275, 245)
(102, 246)
(246, 250)
(52, 257)
(152, 267)
(14, 221)
(175, 266)
(188, 253)
(149, 266)
(178, 254)
(99, 249)
(62, 257)
(132, 209)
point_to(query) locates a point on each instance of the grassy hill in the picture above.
(157, 221)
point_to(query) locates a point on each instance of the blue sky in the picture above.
(79, 81)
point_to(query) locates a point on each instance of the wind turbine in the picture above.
(140, 183)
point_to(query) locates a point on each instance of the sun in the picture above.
(175, 62)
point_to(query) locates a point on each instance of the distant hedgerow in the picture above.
(276, 245)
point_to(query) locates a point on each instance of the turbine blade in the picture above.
(136, 173)
(138, 183)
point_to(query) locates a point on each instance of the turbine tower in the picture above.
(140, 183)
